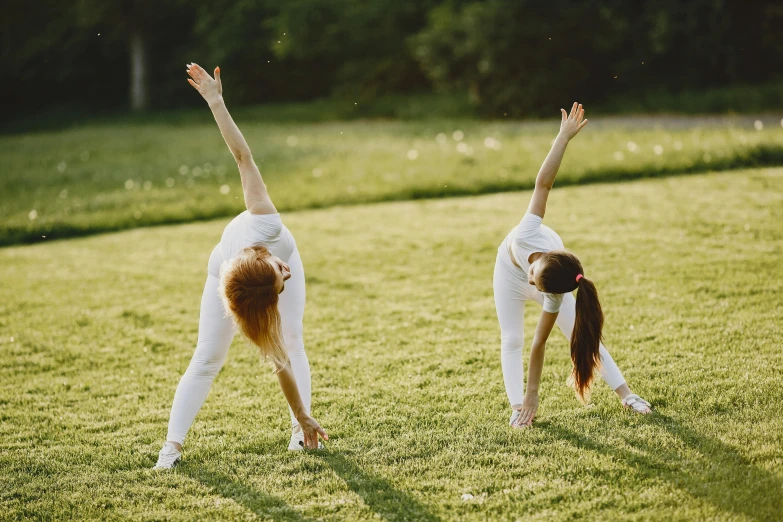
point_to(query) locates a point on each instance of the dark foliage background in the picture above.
(511, 56)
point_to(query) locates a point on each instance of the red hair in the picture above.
(249, 287)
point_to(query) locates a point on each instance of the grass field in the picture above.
(403, 341)
(116, 176)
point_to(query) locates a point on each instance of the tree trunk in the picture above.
(139, 94)
(474, 92)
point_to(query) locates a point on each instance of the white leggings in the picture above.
(511, 291)
(215, 333)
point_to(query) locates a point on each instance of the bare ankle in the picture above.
(176, 445)
(623, 390)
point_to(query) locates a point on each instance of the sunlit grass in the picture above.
(111, 177)
(402, 337)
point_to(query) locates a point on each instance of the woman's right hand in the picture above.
(311, 430)
(572, 123)
(211, 89)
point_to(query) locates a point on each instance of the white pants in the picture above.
(215, 333)
(511, 291)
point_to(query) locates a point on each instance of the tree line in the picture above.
(511, 57)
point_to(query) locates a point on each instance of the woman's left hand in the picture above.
(311, 430)
(211, 89)
(528, 410)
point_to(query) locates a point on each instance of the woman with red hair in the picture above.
(256, 284)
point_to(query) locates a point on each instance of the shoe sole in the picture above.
(159, 468)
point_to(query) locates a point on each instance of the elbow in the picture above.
(243, 157)
(540, 185)
(538, 345)
(256, 207)
(255, 200)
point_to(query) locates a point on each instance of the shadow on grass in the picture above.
(378, 493)
(267, 507)
(719, 475)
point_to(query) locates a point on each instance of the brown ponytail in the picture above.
(558, 275)
(586, 338)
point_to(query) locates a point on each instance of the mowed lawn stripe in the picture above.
(403, 341)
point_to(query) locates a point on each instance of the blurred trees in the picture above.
(93, 52)
(514, 57)
(358, 47)
(142, 25)
(305, 49)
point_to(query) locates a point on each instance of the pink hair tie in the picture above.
(580, 276)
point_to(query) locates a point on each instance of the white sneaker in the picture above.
(637, 404)
(297, 440)
(168, 457)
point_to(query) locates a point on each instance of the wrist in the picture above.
(215, 102)
(531, 392)
(562, 138)
(301, 416)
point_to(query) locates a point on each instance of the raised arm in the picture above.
(570, 125)
(257, 199)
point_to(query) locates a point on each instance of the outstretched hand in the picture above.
(528, 411)
(572, 123)
(211, 89)
(312, 430)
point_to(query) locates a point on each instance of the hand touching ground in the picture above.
(527, 411)
(312, 430)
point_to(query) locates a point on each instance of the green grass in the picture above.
(403, 341)
(115, 176)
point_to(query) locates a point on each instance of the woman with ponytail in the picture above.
(533, 265)
(255, 283)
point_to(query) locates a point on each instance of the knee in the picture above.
(205, 365)
(511, 342)
(292, 331)
(293, 337)
(294, 343)
(202, 370)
